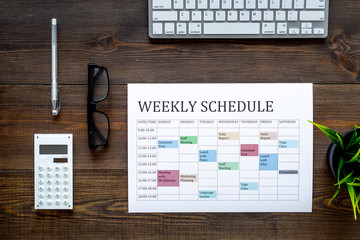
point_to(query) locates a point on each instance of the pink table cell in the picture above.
(249, 150)
(168, 178)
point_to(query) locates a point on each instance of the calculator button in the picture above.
(66, 202)
(65, 169)
(41, 195)
(41, 188)
(66, 181)
(49, 188)
(41, 175)
(57, 175)
(49, 202)
(49, 195)
(41, 202)
(57, 169)
(66, 195)
(57, 202)
(41, 181)
(57, 188)
(49, 181)
(66, 188)
(49, 175)
(66, 174)
(41, 168)
(57, 195)
(57, 181)
(49, 168)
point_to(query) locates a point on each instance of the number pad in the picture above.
(56, 182)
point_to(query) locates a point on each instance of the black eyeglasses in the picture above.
(98, 91)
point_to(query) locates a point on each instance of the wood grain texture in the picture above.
(114, 34)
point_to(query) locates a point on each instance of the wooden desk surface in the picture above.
(115, 34)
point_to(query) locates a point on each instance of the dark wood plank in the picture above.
(115, 34)
(100, 211)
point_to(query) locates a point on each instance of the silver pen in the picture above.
(55, 92)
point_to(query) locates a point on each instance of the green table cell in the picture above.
(228, 166)
(188, 140)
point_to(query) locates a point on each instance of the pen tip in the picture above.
(53, 21)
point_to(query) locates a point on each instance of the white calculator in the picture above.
(53, 170)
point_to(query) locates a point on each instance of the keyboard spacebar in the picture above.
(231, 28)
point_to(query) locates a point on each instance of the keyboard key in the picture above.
(256, 16)
(164, 16)
(269, 16)
(268, 28)
(157, 28)
(281, 28)
(315, 4)
(184, 16)
(319, 31)
(232, 16)
(244, 16)
(169, 28)
(161, 4)
(292, 15)
(190, 4)
(274, 4)
(220, 16)
(202, 4)
(298, 4)
(214, 4)
(239, 4)
(226, 4)
(208, 16)
(194, 28)
(306, 25)
(280, 16)
(196, 16)
(250, 4)
(231, 28)
(181, 28)
(306, 31)
(287, 4)
(312, 16)
(262, 4)
(178, 4)
(293, 31)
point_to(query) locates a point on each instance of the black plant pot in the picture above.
(333, 153)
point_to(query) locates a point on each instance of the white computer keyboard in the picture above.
(238, 18)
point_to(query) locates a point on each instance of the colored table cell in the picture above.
(249, 150)
(168, 144)
(268, 161)
(188, 140)
(288, 144)
(207, 194)
(168, 178)
(228, 136)
(207, 155)
(268, 136)
(249, 186)
(188, 178)
(228, 166)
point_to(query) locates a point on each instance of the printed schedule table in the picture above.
(220, 147)
(218, 160)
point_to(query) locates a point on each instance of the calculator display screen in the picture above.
(53, 149)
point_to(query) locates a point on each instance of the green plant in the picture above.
(348, 169)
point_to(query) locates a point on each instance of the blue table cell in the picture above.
(207, 155)
(289, 144)
(168, 143)
(268, 161)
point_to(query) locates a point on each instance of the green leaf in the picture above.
(335, 194)
(341, 163)
(355, 157)
(330, 133)
(352, 195)
(353, 137)
(354, 184)
(357, 202)
(345, 179)
(356, 141)
(340, 141)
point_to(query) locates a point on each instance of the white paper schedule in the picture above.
(220, 147)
